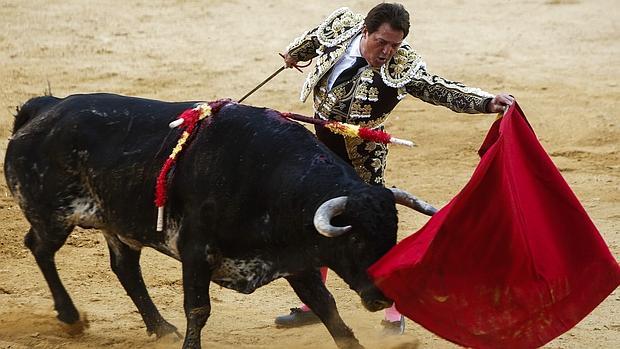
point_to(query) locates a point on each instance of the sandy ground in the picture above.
(560, 58)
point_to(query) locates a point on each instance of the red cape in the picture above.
(513, 260)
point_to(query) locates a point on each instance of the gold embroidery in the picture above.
(323, 65)
(357, 159)
(361, 92)
(368, 159)
(454, 95)
(453, 85)
(339, 27)
(373, 94)
(297, 42)
(366, 93)
(373, 123)
(376, 164)
(358, 110)
(331, 105)
(402, 67)
(367, 75)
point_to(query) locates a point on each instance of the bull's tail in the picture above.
(30, 109)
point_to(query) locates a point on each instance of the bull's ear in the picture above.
(404, 198)
(324, 214)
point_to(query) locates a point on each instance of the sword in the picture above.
(296, 66)
(262, 83)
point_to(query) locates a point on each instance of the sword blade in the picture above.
(262, 83)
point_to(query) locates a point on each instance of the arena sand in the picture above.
(560, 58)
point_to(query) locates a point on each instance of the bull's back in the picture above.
(99, 147)
(253, 163)
(102, 130)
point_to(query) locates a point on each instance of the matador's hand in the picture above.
(289, 61)
(500, 103)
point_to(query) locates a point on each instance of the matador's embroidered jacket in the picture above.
(369, 97)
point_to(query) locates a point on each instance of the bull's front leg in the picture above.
(196, 302)
(311, 290)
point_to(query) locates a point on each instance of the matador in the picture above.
(363, 68)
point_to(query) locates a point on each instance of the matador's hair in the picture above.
(394, 14)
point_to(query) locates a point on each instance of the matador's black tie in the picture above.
(350, 72)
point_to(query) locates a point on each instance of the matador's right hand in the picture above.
(289, 61)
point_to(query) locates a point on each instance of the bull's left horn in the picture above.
(324, 214)
(406, 199)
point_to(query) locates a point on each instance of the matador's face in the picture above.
(380, 46)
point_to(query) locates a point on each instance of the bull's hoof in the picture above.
(76, 328)
(164, 328)
(67, 314)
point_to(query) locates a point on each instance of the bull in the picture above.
(253, 198)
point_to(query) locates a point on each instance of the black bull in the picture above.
(249, 201)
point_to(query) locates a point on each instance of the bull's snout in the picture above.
(376, 305)
(374, 300)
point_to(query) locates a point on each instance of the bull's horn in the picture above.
(324, 215)
(406, 199)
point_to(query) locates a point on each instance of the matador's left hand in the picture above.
(500, 103)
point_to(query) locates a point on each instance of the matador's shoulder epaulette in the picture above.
(336, 29)
(403, 67)
(340, 26)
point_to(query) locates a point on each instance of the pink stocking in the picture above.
(323, 278)
(391, 314)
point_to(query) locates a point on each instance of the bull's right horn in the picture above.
(324, 215)
(406, 199)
